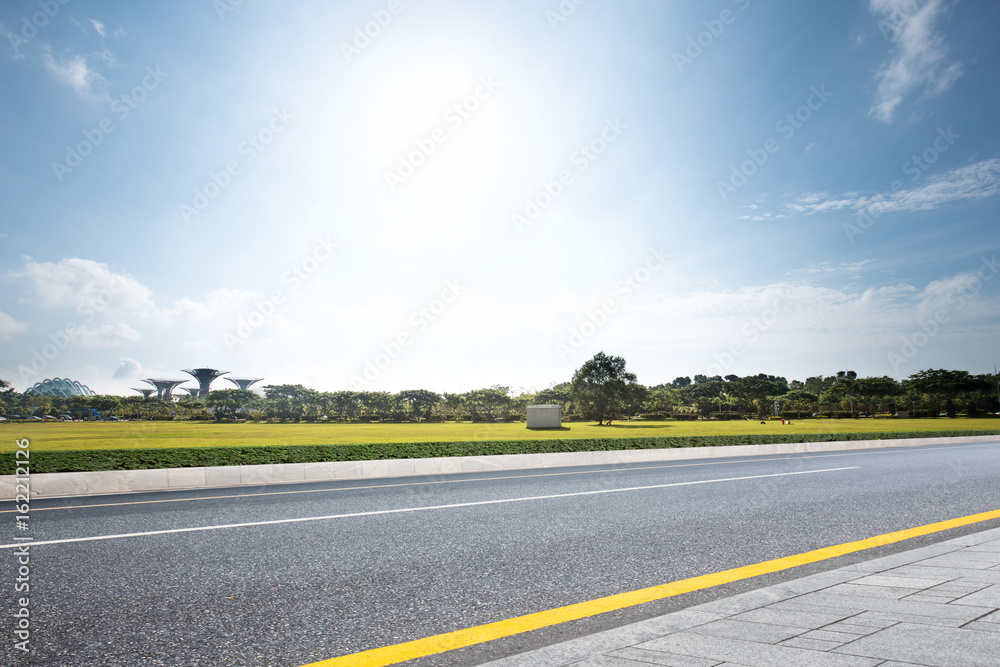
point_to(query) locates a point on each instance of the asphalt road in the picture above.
(488, 546)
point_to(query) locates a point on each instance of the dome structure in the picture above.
(62, 387)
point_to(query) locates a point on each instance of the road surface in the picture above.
(289, 575)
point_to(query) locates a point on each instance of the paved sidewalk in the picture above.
(935, 606)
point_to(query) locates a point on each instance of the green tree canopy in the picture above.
(871, 391)
(945, 385)
(485, 403)
(289, 401)
(228, 402)
(663, 399)
(421, 401)
(602, 386)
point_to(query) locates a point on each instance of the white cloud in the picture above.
(85, 286)
(93, 292)
(127, 369)
(10, 327)
(975, 181)
(223, 301)
(768, 325)
(918, 56)
(99, 27)
(106, 335)
(76, 73)
(826, 267)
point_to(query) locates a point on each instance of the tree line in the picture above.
(600, 390)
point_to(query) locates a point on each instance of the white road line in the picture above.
(411, 509)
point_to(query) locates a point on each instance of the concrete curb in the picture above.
(54, 485)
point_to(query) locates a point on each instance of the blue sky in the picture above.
(389, 195)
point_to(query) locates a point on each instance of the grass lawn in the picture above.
(139, 434)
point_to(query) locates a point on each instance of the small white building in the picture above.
(544, 416)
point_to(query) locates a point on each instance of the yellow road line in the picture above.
(762, 459)
(449, 641)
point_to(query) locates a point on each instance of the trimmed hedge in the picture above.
(187, 457)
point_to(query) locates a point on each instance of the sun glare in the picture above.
(437, 142)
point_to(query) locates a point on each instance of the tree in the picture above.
(380, 404)
(553, 396)
(664, 400)
(635, 397)
(191, 405)
(758, 391)
(289, 401)
(345, 404)
(707, 395)
(842, 389)
(485, 403)
(871, 391)
(228, 402)
(946, 385)
(602, 386)
(104, 403)
(455, 405)
(800, 400)
(420, 401)
(131, 406)
(39, 404)
(818, 384)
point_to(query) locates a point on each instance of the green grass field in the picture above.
(133, 435)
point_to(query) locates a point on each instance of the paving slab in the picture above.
(572, 652)
(947, 617)
(752, 653)
(898, 607)
(937, 647)
(792, 618)
(893, 581)
(971, 560)
(954, 573)
(987, 597)
(764, 633)
(810, 643)
(854, 589)
(646, 657)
